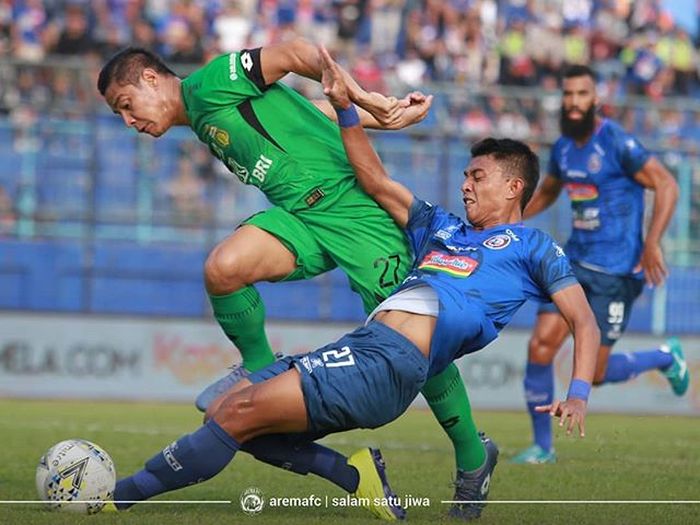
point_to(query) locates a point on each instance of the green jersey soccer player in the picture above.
(273, 138)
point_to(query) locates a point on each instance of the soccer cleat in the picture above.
(534, 455)
(373, 487)
(209, 394)
(677, 372)
(472, 488)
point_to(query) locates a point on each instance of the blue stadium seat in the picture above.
(346, 305)
(642, 312)
(683, 289)
(63, 189)
(41, 275)
(6, 138)
(156, 279)
(298, 300)
(11, 165)
(115, 198)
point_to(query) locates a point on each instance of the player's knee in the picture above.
(225, 271)
(214, 406)
(238, 416)
(540, 351)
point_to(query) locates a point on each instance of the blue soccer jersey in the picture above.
(481, 277)
(606, 202)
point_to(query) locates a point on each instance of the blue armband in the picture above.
(579, 389)
(347, 118)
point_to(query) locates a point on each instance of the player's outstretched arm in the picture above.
(301, 57)
(395, 198)
(655, 177)
(573, 305)
(415, 108)
(544, 196)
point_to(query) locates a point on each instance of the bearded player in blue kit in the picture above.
(605, 171)
(465, 284)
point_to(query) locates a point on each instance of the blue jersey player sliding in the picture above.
(605, 172)
(465, 284)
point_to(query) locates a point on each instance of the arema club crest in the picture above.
(252, 501)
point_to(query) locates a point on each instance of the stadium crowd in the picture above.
(487, 46)
(636, 46)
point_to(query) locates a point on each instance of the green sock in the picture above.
(241, 315)
(449, 402)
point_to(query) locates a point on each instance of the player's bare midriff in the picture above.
(415, 327)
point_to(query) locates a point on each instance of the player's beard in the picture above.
(577, 129)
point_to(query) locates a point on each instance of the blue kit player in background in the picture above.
(605, 172)
(464, 285)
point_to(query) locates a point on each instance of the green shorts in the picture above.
(349, 231)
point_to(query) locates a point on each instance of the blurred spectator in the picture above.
(144, 34)
(576, 45)
(232, 27)
(29, 22)
(684, 62)
(7, 212)
(367, 72)
(74, 37)
(411, 70)
(5, 27)
(476, 123)
(350, 16)
(184, 45)
(385, 19)
(643, 64)
(478, 42)
(517, 67)
(186, 193)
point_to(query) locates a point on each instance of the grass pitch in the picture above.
(622, 458)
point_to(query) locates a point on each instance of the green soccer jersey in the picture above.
(268, 136)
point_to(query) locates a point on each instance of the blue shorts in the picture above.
(366, 379)
(611, 298)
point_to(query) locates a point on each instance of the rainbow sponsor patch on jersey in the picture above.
(456, 265)
(579, 192)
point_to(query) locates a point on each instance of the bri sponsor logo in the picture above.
(456, 265)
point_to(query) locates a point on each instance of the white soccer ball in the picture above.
(76, 476)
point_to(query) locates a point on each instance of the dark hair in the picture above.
(126, 67)
(578, 70)
(517, 159)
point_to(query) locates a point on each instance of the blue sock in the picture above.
(539, 390)
(191, 459)
(288, 452)
(622, 367)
